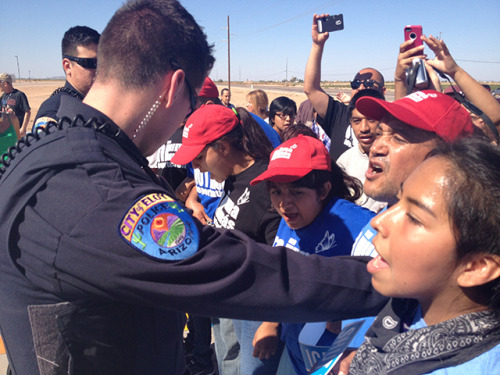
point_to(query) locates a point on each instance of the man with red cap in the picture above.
(409, 129)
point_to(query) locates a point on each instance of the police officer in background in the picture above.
(97, 259)
(79, 61)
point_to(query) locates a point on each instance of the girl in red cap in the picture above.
(315, 200)
(232, 146)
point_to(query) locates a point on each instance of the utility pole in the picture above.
(228, 57)
(18, 71)
(286, 70)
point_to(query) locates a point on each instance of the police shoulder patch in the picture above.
(42, 122)
(158, 226)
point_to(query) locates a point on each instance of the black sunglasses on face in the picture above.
(84, 62)
(368, 83)
(193, 98)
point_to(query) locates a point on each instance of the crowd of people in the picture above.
(143, 199)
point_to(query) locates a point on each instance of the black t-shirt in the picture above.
(248, 208)
(336, 125)
(18, 101)
(173, 173)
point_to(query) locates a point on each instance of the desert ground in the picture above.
(39, 90)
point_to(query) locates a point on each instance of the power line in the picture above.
(308, 12)
(479, 61)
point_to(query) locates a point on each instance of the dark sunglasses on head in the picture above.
(84, 62)
(368, 83)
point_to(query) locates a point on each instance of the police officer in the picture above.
(79, 61)
(97, 260)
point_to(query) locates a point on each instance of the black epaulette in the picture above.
(52, 126)
(69, 91)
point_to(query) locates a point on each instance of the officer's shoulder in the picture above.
(159, 227)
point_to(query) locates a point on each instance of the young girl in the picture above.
(282, 112)
(234, 149)
(315, 200)
(439, 260)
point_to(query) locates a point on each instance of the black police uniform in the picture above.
(82, 291)
(48, 109)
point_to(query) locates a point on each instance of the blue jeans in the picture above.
(227, 347)
(250, 365)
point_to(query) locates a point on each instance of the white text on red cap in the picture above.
(283, 152)
(185, 131)
(419, 96)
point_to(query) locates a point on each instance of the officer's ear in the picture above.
(66, 64)
(174, 87)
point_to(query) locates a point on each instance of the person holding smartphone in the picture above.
(333, 116)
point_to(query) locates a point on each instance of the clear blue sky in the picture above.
(270, 38)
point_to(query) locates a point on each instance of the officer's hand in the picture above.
(265, 341)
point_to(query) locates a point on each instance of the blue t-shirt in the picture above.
(209, 191)
(363, 245)
(332, 233)
(486, 363)
(272, 134)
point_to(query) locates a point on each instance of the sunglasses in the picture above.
(84, 62)
(368, 83)
(193, 97)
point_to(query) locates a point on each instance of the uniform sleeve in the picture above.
(74, 250)
(229, 276)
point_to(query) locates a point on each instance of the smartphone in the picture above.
(413, 32)
(416, 76)
(331, 23)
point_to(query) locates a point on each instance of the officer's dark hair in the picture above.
(248, 137)
(222, 91)
(78, 36)
(473, 203)
(145, 39)
(281, 104)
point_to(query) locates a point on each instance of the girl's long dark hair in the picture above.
(248, 137)
(473, 202)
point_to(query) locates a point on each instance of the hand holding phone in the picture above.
(414, 33)
(331, 23)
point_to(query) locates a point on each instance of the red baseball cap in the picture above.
(427, 110)
(207, 124)
(209, 90)
(294, 159)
